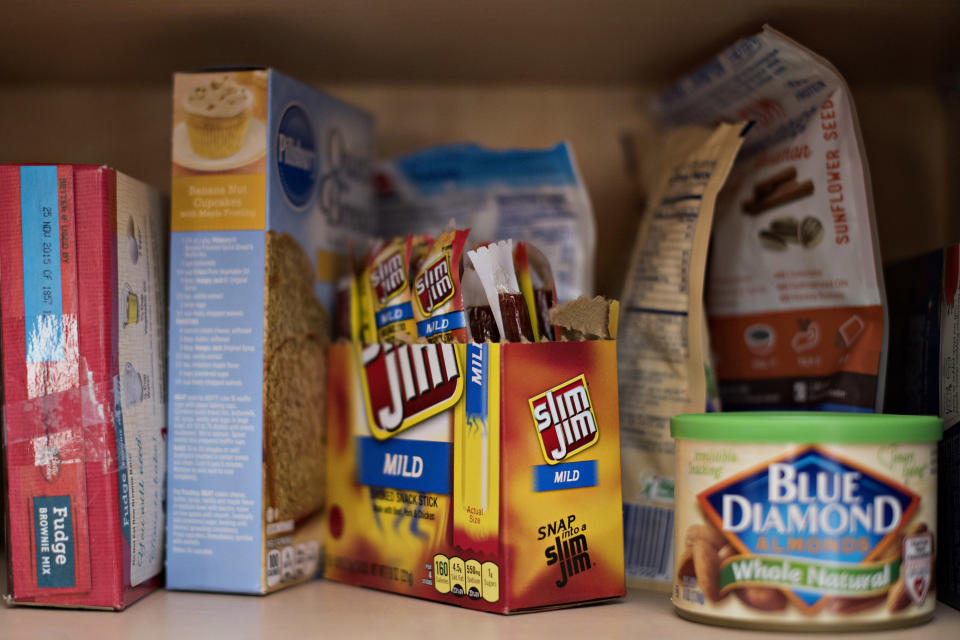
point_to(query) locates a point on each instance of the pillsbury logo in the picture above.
(297, 162)
(319, 168)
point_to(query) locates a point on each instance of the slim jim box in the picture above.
(82, 300)
(482, 475)
(270, 185)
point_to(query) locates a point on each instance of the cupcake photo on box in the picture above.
(219, 122)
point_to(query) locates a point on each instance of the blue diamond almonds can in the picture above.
(805, 521)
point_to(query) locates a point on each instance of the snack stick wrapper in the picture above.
(363, 327)
(344, 324)
(480, 320)
(420, 244)
(348, 300)
(537, 285)
(662, 353)
(438, 297)
(494, 265)
(362, 324)
(387, 280)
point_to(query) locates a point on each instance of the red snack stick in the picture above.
(480, 320)
(494, 265)
(420, 245)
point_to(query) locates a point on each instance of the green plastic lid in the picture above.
(806, 427)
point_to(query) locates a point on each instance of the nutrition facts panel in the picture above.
(654, 341)
(662, 272)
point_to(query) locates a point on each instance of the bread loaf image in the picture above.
(296, 330)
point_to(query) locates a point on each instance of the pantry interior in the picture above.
(91, 82)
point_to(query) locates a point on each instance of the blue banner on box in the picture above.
(42, 288)
(53, 535)
(478, 360)
(412, 465)
(396, 313)
(440, 324)
(569, 475)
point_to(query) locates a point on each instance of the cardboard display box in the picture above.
(82, 300)
(482, 475)
(270, 182)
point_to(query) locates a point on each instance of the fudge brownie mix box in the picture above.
(270, 185)
(82, 301)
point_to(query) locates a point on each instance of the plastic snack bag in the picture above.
(535, 196)
(795, 294)
(662, 349)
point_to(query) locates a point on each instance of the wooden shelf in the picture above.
(331, 610)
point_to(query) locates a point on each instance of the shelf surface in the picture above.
(333, 610)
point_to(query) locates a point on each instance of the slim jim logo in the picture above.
(388, 278)
(434, 286)
(569, 550)
(404, 384)
(565, 421)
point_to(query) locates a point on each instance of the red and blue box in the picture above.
(82, 304)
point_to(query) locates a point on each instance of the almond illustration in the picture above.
(762, 598)
(706, 563)
(897, 597)
(706, 534)
(848, 606)
(686, 570)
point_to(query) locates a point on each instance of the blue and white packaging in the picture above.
(271, 183)
(535, 196)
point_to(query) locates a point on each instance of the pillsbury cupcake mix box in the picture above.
(270, 186)
(482, 475)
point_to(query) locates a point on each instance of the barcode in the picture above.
(274, 569)
(648, 539)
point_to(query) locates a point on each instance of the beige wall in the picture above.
(905, 129)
